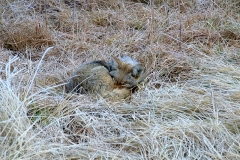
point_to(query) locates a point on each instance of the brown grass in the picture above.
(24, 34)
(187, 107)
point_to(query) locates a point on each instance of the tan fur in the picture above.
(105, 79)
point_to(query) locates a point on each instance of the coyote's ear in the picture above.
(116, 60)
(137, 70)
(113, 64)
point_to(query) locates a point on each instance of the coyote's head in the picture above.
(126, 71)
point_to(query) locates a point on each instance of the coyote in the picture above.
(115, 78)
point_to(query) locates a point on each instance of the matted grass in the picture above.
(188, 107)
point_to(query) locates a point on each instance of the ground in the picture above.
(188, 106)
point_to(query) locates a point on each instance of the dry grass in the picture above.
(21, 34)
(187, 108)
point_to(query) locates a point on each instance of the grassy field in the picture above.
(188, 107)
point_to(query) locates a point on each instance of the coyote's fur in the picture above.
(115, 79)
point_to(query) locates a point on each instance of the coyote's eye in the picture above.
(137, 70)
(134, 75)
(113, 69)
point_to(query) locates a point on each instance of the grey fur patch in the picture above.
(128, 60)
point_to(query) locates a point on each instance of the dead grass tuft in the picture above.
(171, 67)
(23, 34)
(175, 67)
(101, 19)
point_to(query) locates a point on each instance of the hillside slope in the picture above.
(188, 107)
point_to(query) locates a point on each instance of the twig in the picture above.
(73, 17)
(38, 66)
(150, 36)
(180, 27)
(45, 14)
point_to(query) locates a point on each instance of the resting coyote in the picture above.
(109, 79)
